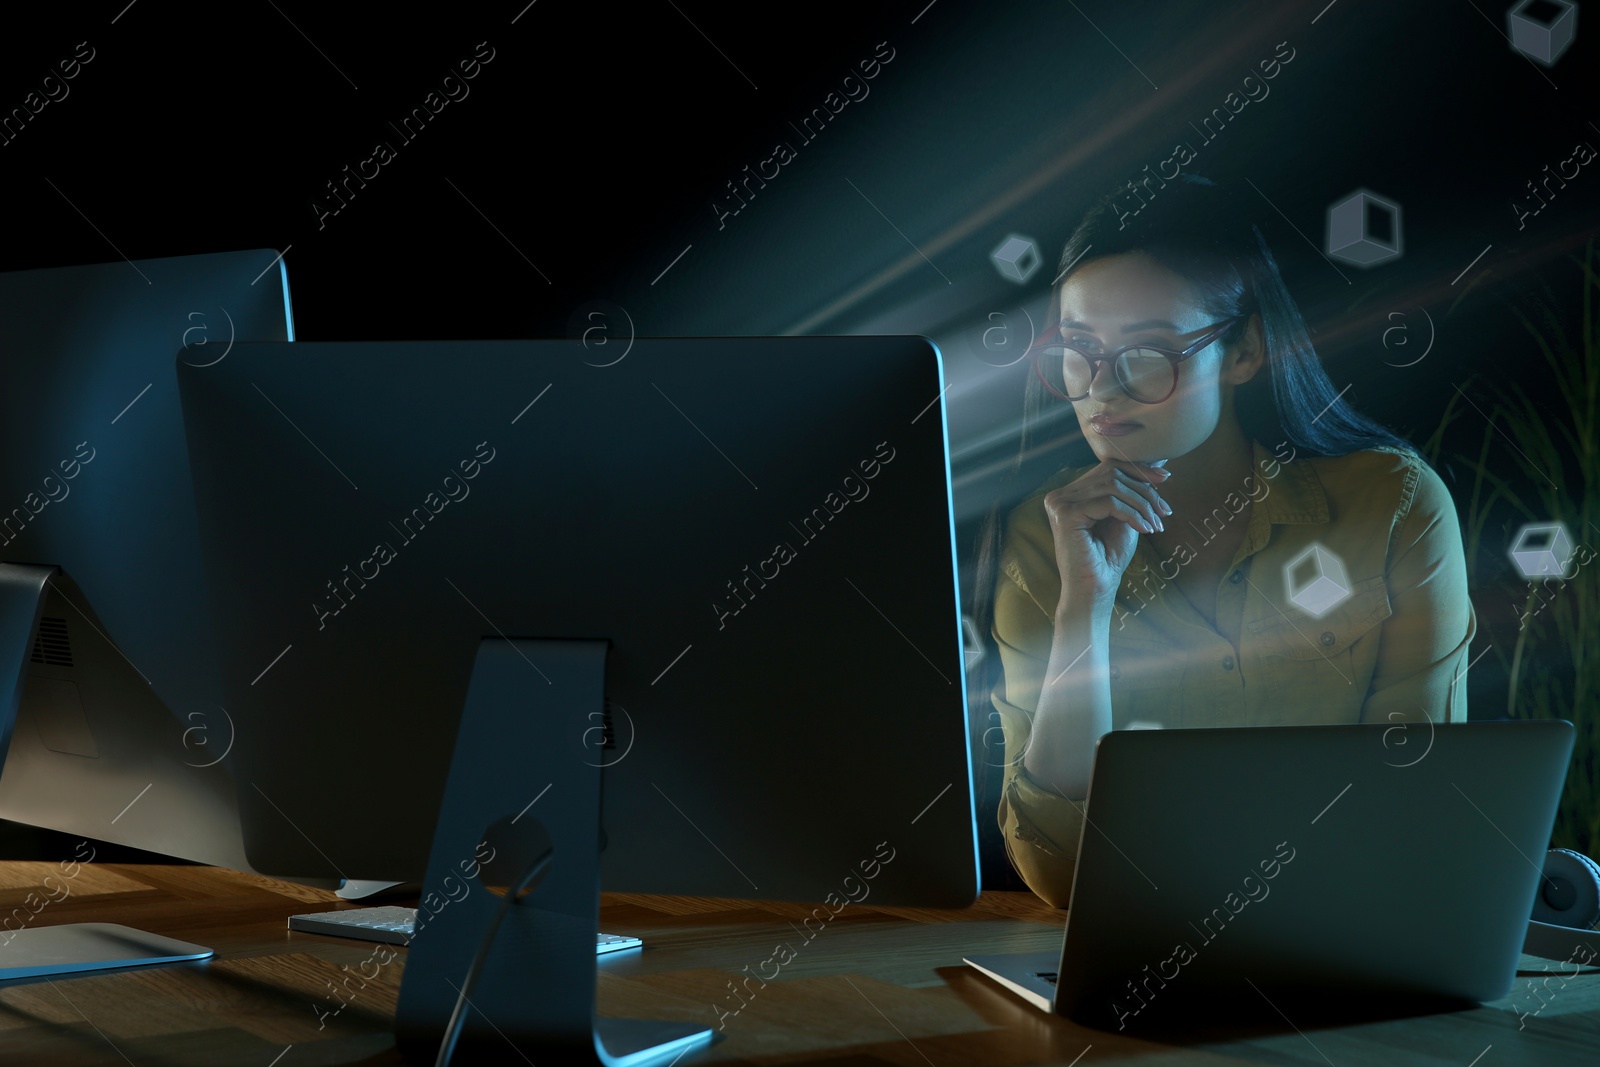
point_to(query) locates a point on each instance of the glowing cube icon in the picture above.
(1542, 551)
(1542, 29)
(972, 640)
(1016, 258)
(1364, 229)
(1315, 581)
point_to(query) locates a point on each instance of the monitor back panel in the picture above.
(94, 478)
(761, 527)
(96, 753)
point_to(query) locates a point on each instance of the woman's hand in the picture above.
(1096, 520)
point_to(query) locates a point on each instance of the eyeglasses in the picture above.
(1147, 373)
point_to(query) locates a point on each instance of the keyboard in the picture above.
(396, 925)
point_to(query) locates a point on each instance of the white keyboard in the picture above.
(395, 926)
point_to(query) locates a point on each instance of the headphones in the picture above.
(1566, 909)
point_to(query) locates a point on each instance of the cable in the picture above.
(524, 885)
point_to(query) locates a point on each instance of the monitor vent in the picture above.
(51, 647)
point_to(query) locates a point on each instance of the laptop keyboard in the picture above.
(395, 926)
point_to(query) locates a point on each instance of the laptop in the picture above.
(1262, 866)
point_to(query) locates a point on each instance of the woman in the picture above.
(1247, 550)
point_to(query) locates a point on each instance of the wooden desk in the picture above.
(875, 986)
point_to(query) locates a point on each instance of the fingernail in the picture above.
(1165, 507)
(1160, 525)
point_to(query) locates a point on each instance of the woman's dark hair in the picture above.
(1198, 230)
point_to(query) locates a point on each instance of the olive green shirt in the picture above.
(1394, 649)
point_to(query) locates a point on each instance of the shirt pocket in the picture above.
(1321, 665)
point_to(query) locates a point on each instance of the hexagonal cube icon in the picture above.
(972, 640)
(1016, 258)
(1364, 229)
(1315, 581)
(1542, 551)
(1542, 29)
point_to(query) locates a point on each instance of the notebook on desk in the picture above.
(1275, 863)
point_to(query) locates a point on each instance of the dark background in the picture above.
(581, 172)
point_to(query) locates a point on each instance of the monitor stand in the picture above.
(522, 808)
(362, 888)
(71, 947)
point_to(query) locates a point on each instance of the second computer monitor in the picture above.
(760, 527)
(121, 734)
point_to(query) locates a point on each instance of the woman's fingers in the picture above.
(1140, 496)
(1143, 512)
(1117, 503)
(1117, 489)
(1145, 490)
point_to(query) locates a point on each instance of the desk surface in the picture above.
(875, 986)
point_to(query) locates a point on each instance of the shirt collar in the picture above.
(1293, 494)
(1296, 494)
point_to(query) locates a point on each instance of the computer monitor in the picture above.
(121, 730)
(759, 527)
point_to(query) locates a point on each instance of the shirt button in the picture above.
(1238, 576)
(1227, 663)
(1327, 638)
(1115, 674)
